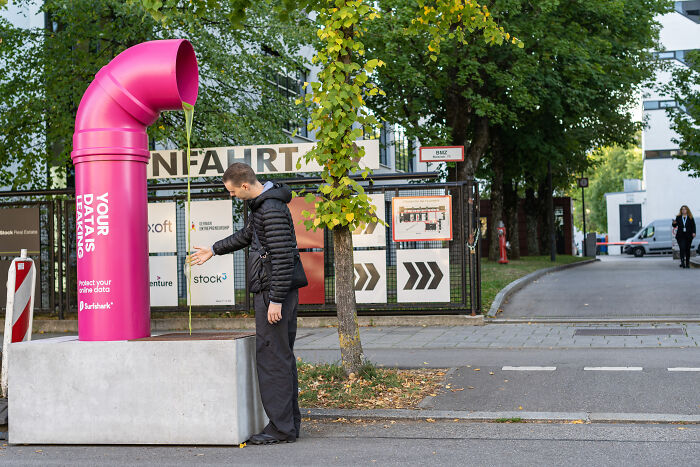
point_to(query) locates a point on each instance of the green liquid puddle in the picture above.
(189, 115)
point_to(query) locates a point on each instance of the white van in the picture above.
(658, 237)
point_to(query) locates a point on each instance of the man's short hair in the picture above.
(239, 173)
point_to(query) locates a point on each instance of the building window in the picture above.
(403, 150)
(655, 105)
(291, 86)
(671, 55)
(668, 153)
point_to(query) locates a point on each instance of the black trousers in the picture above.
(684, 243)
(277, 366)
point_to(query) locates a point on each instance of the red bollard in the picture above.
(502, 244)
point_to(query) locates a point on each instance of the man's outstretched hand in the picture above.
(200, 256)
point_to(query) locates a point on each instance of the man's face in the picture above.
(241, 192)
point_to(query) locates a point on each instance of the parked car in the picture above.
(658, 237)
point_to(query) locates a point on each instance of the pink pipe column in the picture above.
(110, 154)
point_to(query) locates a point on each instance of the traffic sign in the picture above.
(441, 154)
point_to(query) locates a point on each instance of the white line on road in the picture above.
(683, 369)
(612, 368)
(528, 368)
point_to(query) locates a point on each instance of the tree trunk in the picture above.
(348, 329)
(511, 202)
(531, 210)
(496, 200)
(550, 214)
(543, 218)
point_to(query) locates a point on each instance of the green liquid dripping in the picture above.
(189, 115)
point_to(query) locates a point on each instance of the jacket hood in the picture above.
(278, 191)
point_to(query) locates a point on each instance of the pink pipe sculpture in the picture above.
(110, 154)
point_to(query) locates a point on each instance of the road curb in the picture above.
(463, 415)
(518, 284)
(587, 321)
(220, 324)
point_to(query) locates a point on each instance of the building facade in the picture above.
(664, 187)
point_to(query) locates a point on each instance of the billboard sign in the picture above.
(264, 159)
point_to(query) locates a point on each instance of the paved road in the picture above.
(615, 287)
(409, 443)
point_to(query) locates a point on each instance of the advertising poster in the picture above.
(421, 218)
(211, 221)
(162, 232)
(423, 275)
(370, 276)
(374, 233)
(212, 282)
(305, 238)
(315, 292)
(19, 229)
(163, 279)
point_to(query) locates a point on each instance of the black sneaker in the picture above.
(264, 439)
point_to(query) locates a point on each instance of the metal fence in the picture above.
(57, 258)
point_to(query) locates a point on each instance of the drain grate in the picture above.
(630, 332)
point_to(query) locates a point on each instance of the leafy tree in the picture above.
(337, 103)
(46, 72)
(518, 110)
(684, 88)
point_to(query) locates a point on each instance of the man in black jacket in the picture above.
(684, 235)
(275, 275)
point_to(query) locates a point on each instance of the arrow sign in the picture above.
(365, 229)
(425, 271)
(370, 276)
(371, 273)
(423, 275)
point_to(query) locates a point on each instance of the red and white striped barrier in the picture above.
(19, 314)
(622, 243)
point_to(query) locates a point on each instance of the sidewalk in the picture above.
(510, 336)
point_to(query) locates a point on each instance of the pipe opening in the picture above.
(187, 73)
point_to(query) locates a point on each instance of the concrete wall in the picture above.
(668, 188)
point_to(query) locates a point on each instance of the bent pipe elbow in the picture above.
(128, 94)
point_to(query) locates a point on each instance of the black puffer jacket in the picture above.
(271, 220)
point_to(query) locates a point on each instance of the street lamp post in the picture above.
(583, 183)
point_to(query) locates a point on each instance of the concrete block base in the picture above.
(193, 390)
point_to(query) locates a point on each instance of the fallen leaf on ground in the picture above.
(490, 372)
(430, 420)
(470, 387)
(576, 422)
(433, 394)
(520, 407)
(477, 369)
(242, 445)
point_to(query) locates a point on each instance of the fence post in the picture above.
(478, 244)
(470, 236)
(52, 277)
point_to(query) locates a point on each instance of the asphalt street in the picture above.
(615, 287)
(408, 443)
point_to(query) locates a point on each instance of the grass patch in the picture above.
(509, 420)
(325, 385)
(495, 276)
